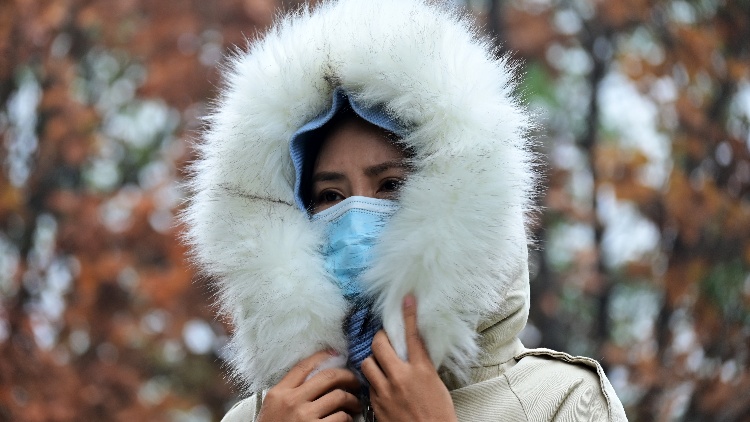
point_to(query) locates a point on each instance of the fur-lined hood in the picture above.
(458, 241)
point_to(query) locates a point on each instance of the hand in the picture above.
(325, 396)
(406, 391)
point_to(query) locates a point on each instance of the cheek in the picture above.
(386, 195)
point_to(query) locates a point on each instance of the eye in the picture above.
(391, 185)
(328, 196)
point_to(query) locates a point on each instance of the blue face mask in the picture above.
(353, 227)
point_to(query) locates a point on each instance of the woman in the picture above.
(446, 267)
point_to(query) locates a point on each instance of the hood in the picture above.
(459, 240)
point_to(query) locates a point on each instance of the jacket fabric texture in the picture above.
(458, 241)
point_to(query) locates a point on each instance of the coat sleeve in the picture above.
(554, 386)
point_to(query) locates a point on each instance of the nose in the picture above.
(362, 186)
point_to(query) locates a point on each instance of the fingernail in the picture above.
(333, 352)
(409, 300)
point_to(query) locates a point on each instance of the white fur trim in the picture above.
(460, 233)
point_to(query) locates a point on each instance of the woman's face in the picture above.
(357, 159)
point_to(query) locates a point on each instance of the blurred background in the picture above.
(643, 246)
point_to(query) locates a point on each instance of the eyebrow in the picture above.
(380, 168)
(328, 176)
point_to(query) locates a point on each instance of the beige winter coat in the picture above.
(536, 385)
(514, 383)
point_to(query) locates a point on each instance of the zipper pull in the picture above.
(368, 414)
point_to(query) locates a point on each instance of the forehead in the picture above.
(354, 141)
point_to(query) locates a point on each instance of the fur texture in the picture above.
(459, 238)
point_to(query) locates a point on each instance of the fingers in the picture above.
(375, 376)
(384, 355)
(339, 417)
(301, 370)
(414, 345)
(337, 400)
(328, 380)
